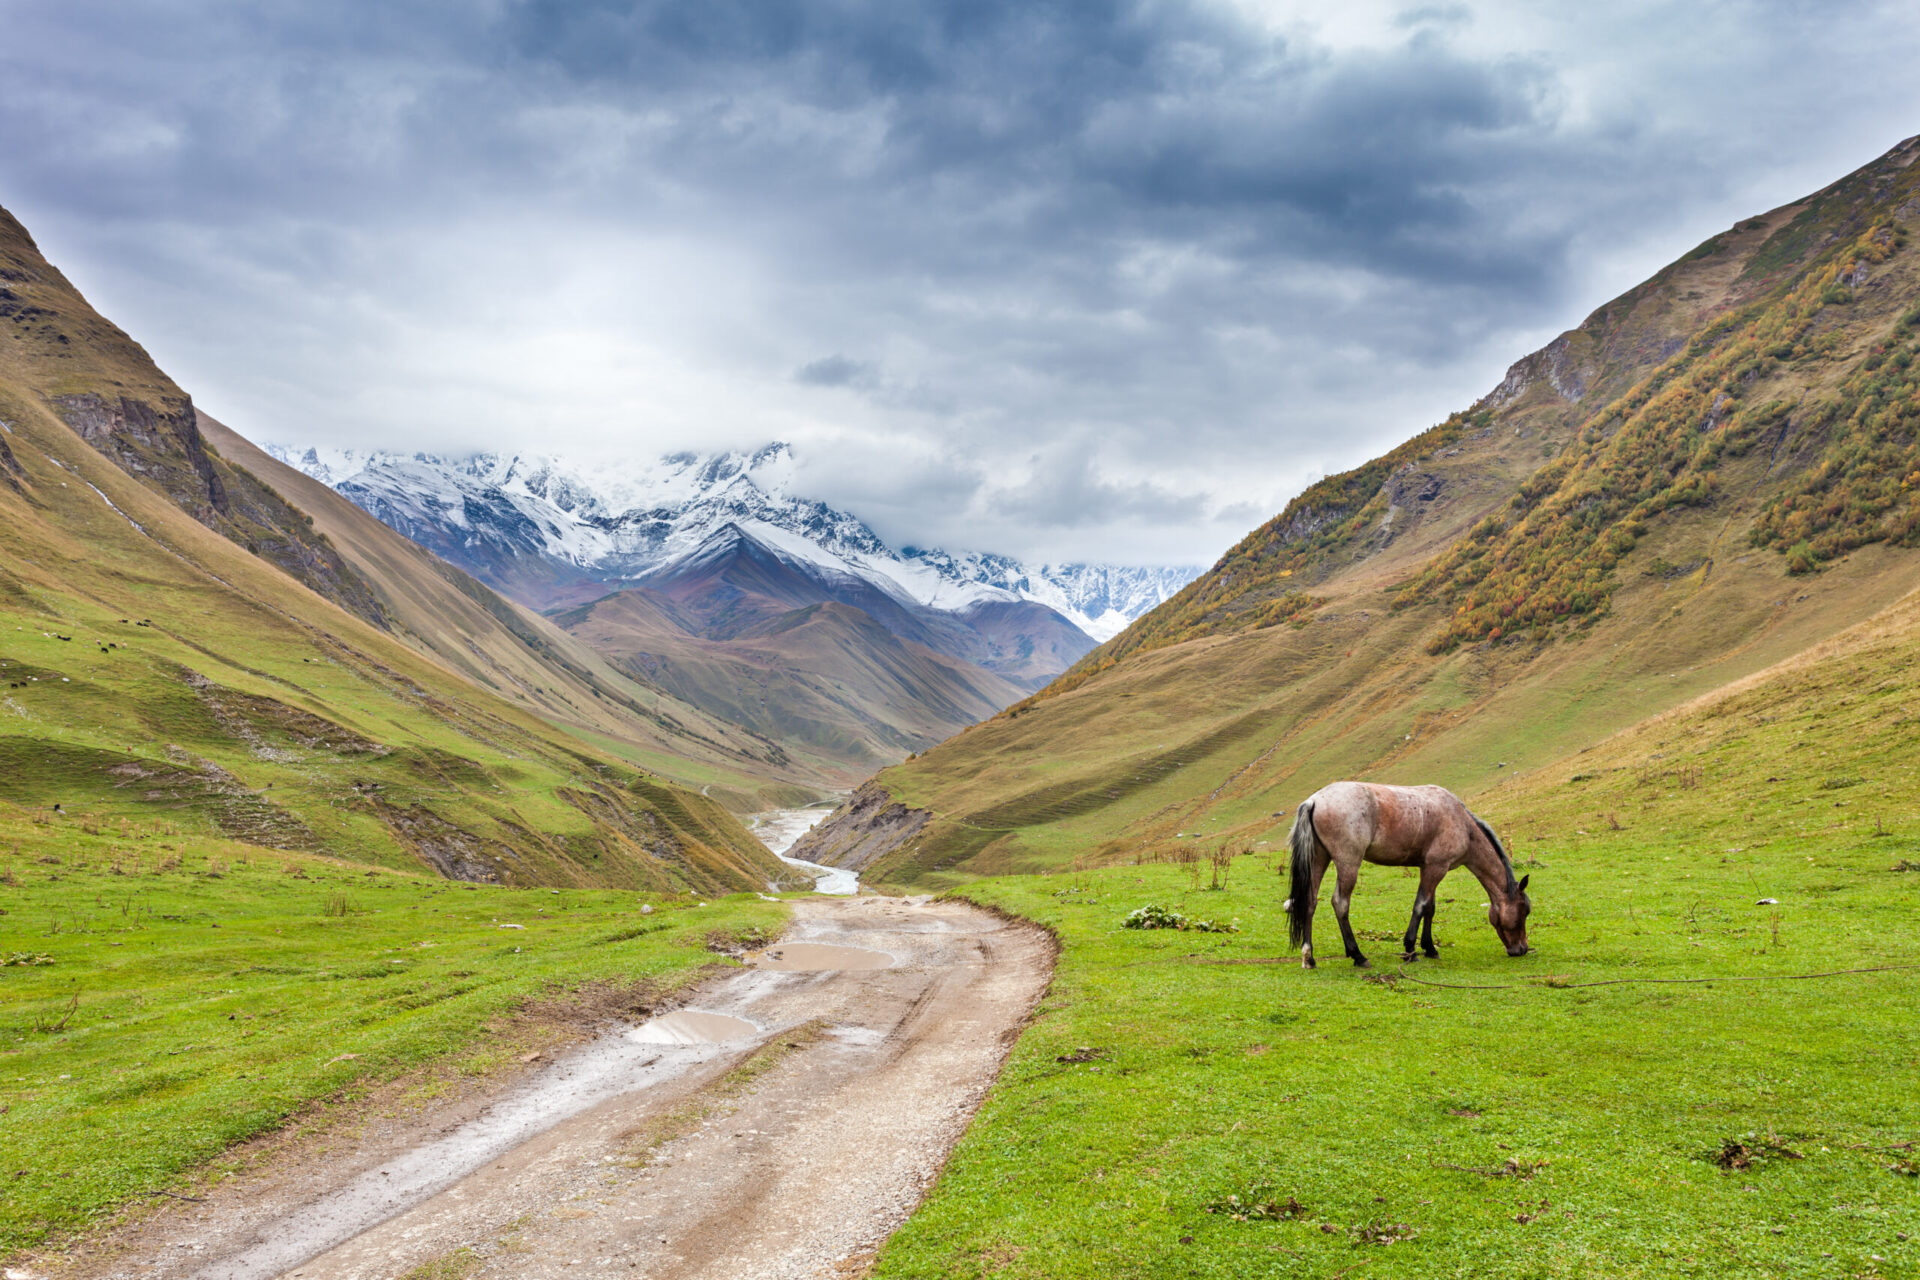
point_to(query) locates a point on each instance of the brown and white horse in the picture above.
(1347, 823)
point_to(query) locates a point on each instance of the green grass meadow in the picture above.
(1623, 1102)
(163, 997)
(1516, 1124)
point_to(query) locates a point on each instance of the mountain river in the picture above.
(778, 829)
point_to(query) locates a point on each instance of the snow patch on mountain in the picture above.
(622, 522)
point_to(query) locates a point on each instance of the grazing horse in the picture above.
(1347, 823)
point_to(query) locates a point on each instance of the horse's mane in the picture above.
(1498, 848)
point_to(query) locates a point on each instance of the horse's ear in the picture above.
(1523, 881)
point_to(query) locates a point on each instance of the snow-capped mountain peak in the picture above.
(601, 523)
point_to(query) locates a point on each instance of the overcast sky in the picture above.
(1079, 279)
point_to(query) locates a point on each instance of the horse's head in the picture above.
(1507, 913)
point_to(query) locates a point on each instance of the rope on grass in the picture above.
(1615, 982)
(1403, 976)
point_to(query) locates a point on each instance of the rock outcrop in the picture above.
(868, 827)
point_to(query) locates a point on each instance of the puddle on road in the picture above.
(693, 1026)
(813, 957)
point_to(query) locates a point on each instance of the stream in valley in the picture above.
(778, 829)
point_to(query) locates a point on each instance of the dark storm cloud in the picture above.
(1098, 122)
(1081, 278)
(834, 371)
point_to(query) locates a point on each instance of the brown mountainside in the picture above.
(826, 680)
(103, 385)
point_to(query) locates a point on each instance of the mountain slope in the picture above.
(824, 678)
(1704, 478)
(742, 631)
(101, 383)
(444, 612)
(154, 665)
(1830, 735)
(735, 580)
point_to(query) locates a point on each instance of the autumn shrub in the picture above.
(1549, 556)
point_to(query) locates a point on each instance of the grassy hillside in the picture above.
(1822, 748)
(1715, 355)
(1704, 1069)
(1703, 479)
(167, 996)
(160, 663)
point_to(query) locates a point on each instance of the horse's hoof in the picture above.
(1361, 962)
(1433, 953)
(1308, 963)
(1409, 958)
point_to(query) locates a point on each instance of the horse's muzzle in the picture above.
(1517, 952)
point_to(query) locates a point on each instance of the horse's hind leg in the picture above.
(1345, 878)
(1320, 861)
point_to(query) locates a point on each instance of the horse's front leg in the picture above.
(1413, 921)
(1346, 877)
(1427, 943)
(1423, 900)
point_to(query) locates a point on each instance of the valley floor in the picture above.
(1661, 1089)
(1706, 1068)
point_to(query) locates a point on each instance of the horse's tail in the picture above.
(1300, 889)
(1498, 848)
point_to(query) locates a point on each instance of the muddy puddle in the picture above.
(817, 957)
(778, 829)
(693, 1026)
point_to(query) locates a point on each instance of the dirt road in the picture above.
(789, 1151)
